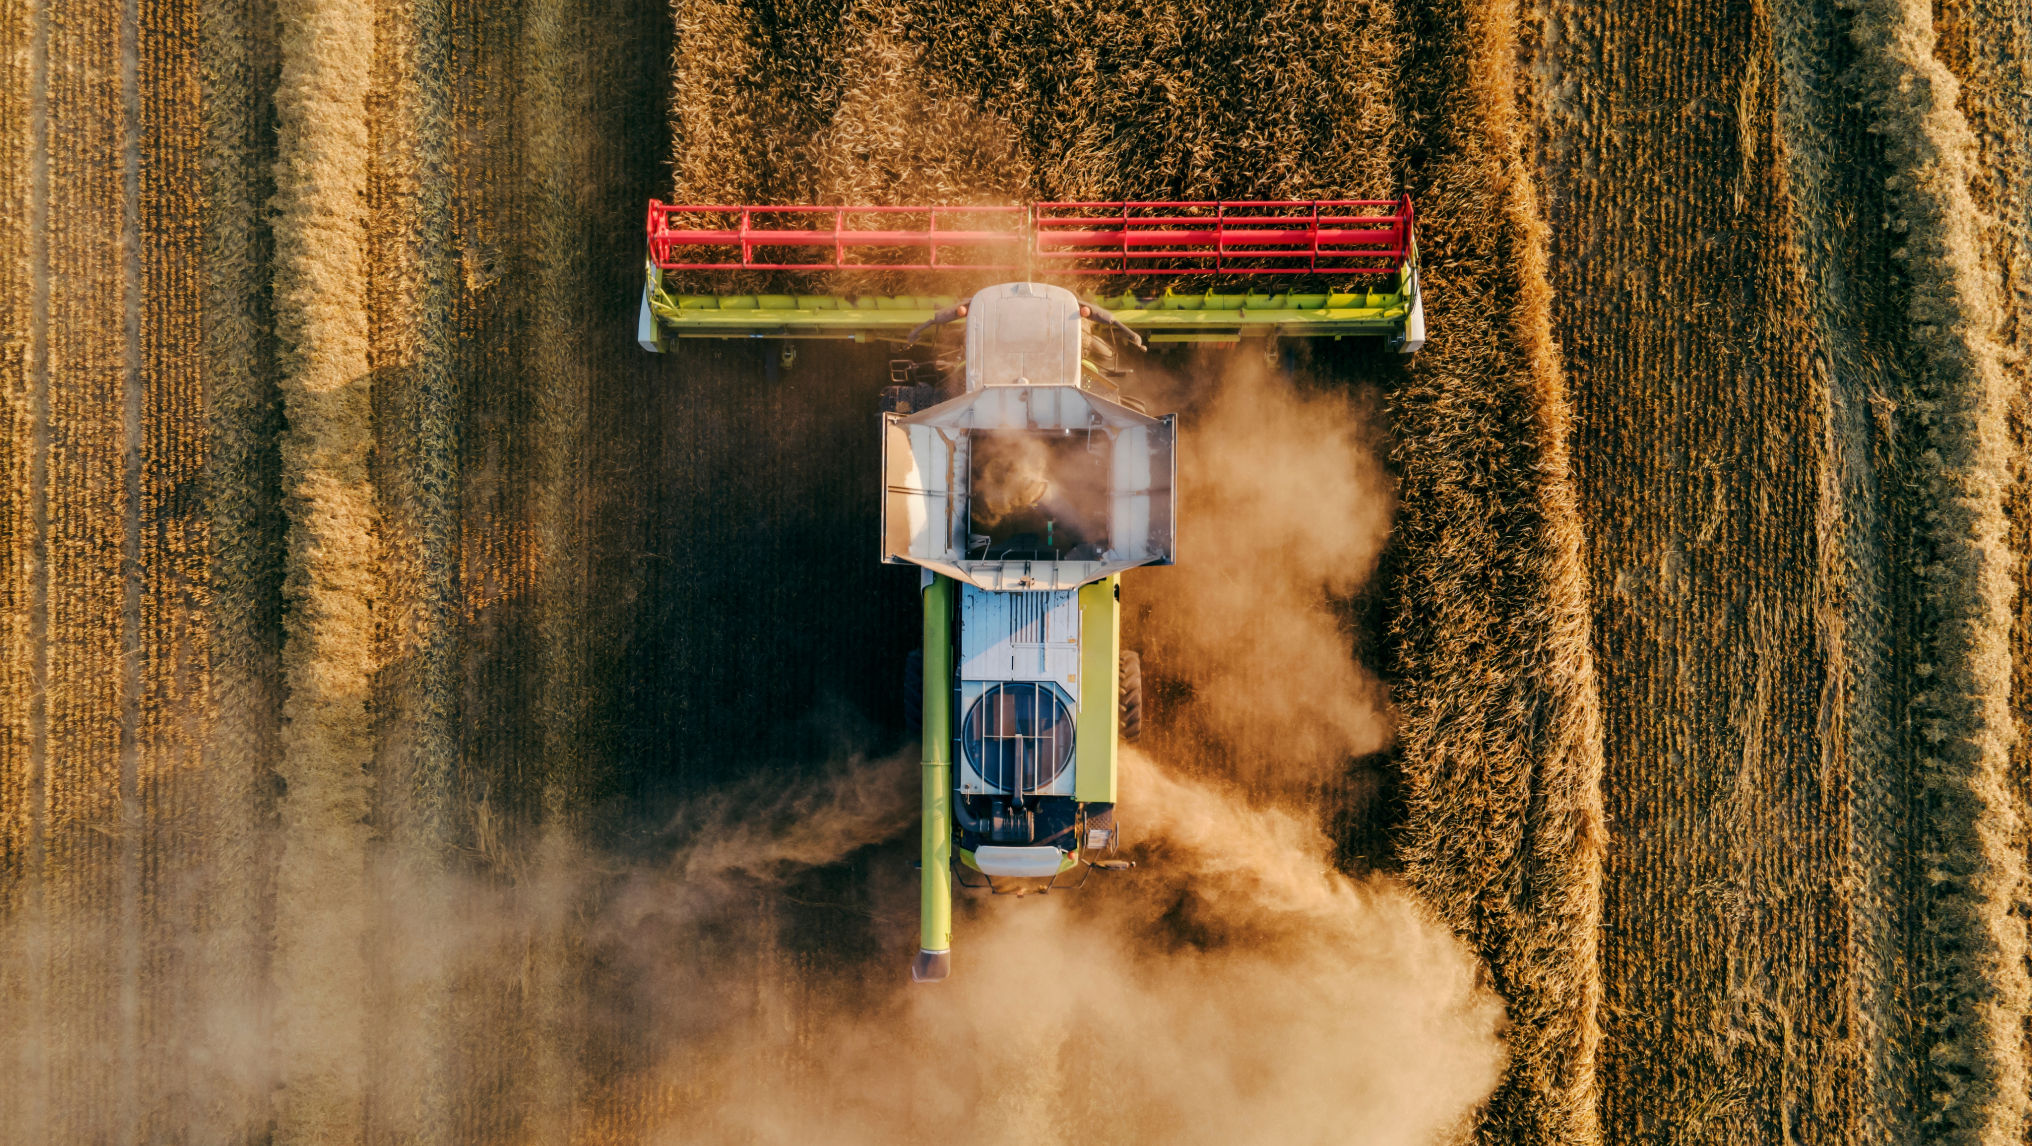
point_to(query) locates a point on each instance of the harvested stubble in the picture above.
(1974, 996)
(87, 762)
(169, 545)
(1814, 852)
(335, 572)
(1726, 914)
(236, 814)
(21, 484)
(1988, 47)
(416, 422)
(106, 527)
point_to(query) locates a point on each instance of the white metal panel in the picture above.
(1020, 333)
(1414, 323)
(1034, 863)
(1020, 636)
(924, 512)
(1142, 498)
(648, 334)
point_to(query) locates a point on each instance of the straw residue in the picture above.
(333, 580)
(1975, 946)
(1491, 642)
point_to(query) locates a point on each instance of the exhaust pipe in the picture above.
(934, 956)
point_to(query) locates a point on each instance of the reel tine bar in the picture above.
(836, 231)
(1179, 237)
(1228, 237)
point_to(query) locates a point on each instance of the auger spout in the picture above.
(934, 956)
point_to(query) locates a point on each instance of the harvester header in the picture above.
(1252, 237)
(1370, 240)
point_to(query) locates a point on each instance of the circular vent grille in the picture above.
(1018, 734)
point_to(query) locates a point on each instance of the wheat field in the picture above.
(426, 717)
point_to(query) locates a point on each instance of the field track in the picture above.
(386, 643)
(1807, 918)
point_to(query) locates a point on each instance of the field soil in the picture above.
(427, 717)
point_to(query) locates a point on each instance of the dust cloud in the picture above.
(1283, 511)
(742, 978)
(1235, 987)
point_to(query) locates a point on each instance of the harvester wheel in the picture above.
(913, 694)
(1131, 678)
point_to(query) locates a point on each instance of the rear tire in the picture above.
(1131, 693)
(913, 693)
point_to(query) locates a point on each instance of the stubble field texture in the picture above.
(429, 718)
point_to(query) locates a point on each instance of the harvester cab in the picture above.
(1022, 482)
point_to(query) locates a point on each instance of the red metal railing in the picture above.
(794, 228)
(1252, 237)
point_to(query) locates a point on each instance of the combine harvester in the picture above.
(1019, 478)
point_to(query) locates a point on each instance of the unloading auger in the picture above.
(1020, 479)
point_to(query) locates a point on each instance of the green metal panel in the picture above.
(1100, 665)
(936, 838)
(794, 316)
(1210, 317)
(1202, 317)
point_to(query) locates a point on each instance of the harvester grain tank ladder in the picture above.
(1373, 242)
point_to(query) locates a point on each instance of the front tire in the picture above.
(1131, 696)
